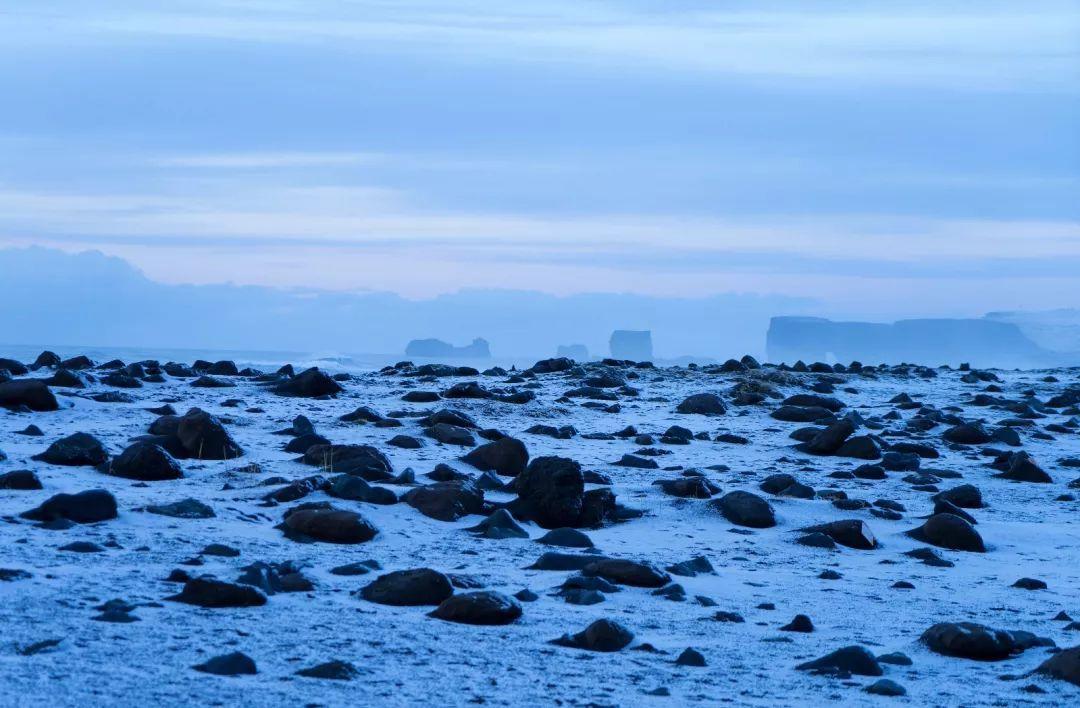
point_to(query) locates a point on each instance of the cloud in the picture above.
(989, 45)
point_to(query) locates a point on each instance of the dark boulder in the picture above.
(702, 404)
(627, 572)
(853, 533)
(145, 462)
(968, 640)
(406, 588)
(311, 383)
(360, 460)
(446, 501)
(32, 393)
(211, 592)
(849, 660)
(483, 608)
(75, 450)
(745, 509)
(204, 437)
(550, 492)
(950, 531)
(329, 525)
(602, 635)
(506, 456)
(86, 507)
(234, 664)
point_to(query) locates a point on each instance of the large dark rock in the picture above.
(801, 414)
(952, 532)
(360, 460)
(86, 507)
(967, 434)
(210, 592)
(75, 450)
(420, 586)
(1065, 665)
(204, 437)
(507, 456)
(233, 664)
(311, 383)
(146, 462)
(32, 393)
(627, 572)
(450, 435)
(829, 440)
(550, 492)
(1021, 468)
(446, 501)
(702, 404)
(330, 525)
(25, 480)
(13, 367)
(853, 533)
(483, 607)
(745, 509)
(968, 640)
(602, 635)
(849, 660)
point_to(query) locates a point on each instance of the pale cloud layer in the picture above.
(897, 158)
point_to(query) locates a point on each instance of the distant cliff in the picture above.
(982, 342)
(438, 349)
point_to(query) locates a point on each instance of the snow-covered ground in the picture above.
(407, 658)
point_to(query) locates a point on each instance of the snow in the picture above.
(407, 658)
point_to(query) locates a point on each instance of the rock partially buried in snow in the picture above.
(86, 507)
(234, 664)
(849, 660)
(146, 462)
(77, 449)
(483, 607)
(950, 531)
(1065, 666)
(603, 635)
(745, 509)
(405, 588)
(330, 525)
(214, 593)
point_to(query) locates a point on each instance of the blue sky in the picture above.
(888, 158)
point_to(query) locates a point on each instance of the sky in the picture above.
(885, 159)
